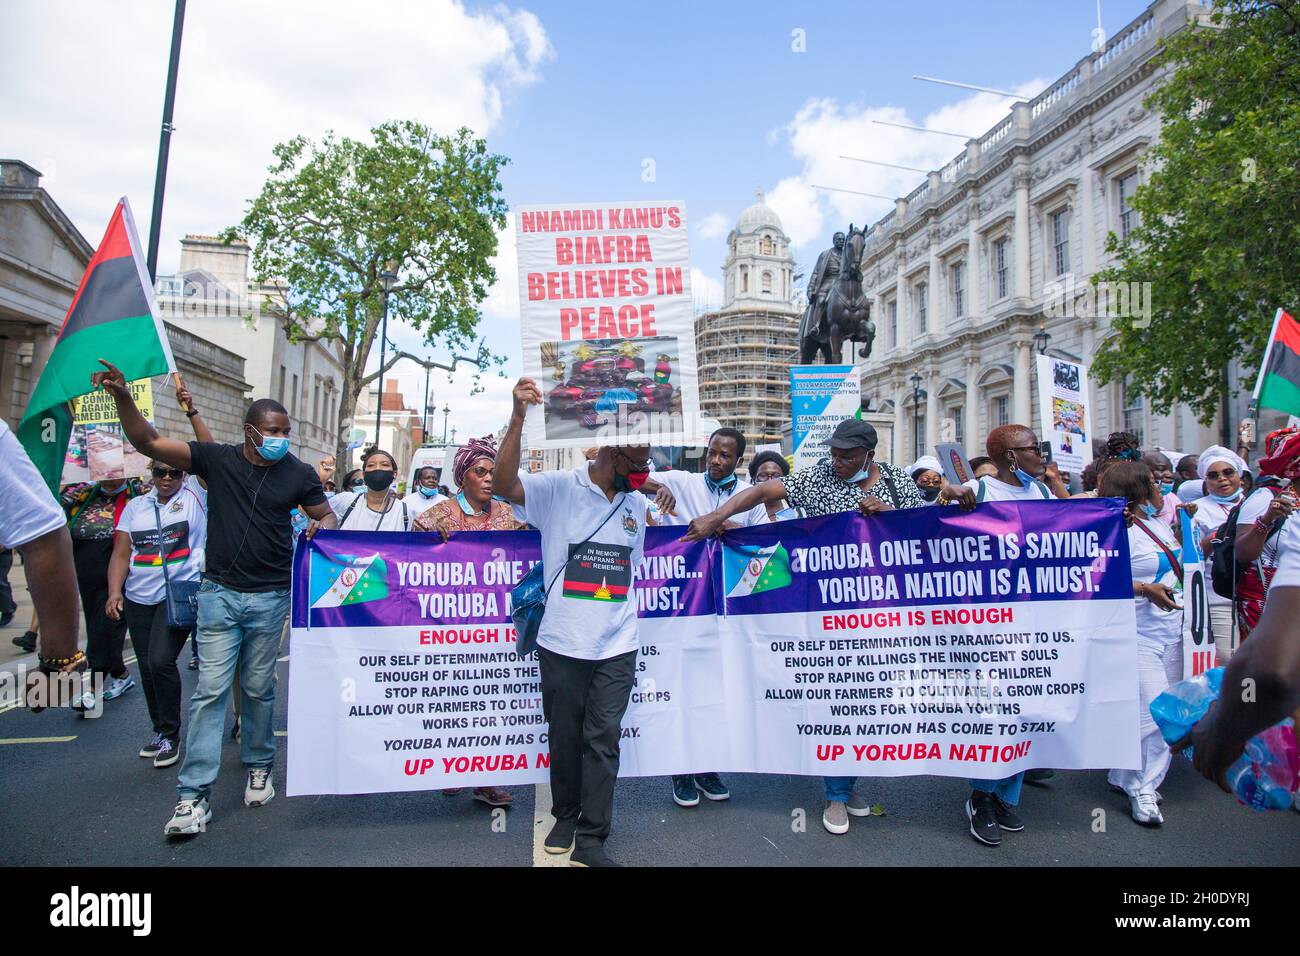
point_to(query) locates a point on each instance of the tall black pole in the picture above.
(916, 418)
(424, 428)
(165, 140)
(383, 341)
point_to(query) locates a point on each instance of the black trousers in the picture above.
(156, 648)
(584, 702)
(7, 605)
(105, 637)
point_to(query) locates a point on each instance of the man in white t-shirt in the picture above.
(697, 495)
(1015, 452)
(425, 494)
(32, 523)
(592, 522)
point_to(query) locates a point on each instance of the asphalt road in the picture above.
(108, 807)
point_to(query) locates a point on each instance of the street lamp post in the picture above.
(916, 412)
(424, 424)
(388, 279)
(1041, 339)
(446, 410)
(453, 436)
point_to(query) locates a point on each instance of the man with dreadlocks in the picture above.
(474, 508)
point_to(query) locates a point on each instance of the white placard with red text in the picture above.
(607, 322)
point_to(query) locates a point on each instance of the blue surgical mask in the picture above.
(428, 492)
(720, 487)
(1149, 510)
(273, 448)
(1166, 487)
(1229, 500)
(860, 476)
(1025, 478)
(464, 504)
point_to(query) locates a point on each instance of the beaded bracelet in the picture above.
(49, 664)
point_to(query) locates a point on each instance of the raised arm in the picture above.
(186, 402)
(505, 476)
(708, 524)
(143, 436)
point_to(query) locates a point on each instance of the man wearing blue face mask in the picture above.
(425, 494)
(244, 597)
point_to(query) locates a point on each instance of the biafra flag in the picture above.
(1278, 385)
(113, 316)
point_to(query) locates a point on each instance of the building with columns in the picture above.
(212, 296)
(43, 257)
(966, 268)
(745, 349)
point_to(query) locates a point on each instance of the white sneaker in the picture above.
(117, 686)
(259, 789)
(191, 817)
(1144, 810)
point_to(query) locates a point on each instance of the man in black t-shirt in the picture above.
(244, 596)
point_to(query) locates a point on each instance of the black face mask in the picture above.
(378, 480)
(929, 494)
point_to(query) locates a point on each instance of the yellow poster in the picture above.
(97, 408)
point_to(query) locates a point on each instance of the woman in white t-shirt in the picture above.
(377, 508)
(160, 539)
(1220, 469)
(1157, 584)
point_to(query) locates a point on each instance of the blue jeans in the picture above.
(839, 788)
(1007, 790)
(235, 630)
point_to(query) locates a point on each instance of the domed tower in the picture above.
(746, 348)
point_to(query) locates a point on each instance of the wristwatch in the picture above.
(191, 413)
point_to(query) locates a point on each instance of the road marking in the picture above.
(542, 823)
(37, 740)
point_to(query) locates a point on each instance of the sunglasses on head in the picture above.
(166, 472)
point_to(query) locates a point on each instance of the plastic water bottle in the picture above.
(1267, 772)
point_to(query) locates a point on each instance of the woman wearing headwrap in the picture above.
(474, 508)
(1220, 470)
(1262, 522)
(1120, 446)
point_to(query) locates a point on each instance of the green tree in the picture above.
(1219, 232)
(332, 214)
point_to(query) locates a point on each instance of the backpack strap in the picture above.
(1174, 563)
(348, 510)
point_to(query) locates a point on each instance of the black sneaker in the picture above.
(591, 856)
(983, 821)
(684, 792)
(1006, 815)
(7, 618)
(169, 751)
(711, 785)
(560, 839)
(27, 641)
(1039, 776)
(193, 664)
(150, 750)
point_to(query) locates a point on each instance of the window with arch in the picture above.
(744, 279)
(767, 282)
(767, 246)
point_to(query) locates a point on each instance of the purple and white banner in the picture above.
(929, 641)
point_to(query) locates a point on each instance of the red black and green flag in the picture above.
(1278, 385)
(113, 316)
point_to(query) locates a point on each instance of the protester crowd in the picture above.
(202, 552)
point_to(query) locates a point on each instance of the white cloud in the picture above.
(824, 130)
(706, 291)
(251, 75)
(503, 298)
(712, 226)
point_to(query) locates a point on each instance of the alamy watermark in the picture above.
(1109, 300)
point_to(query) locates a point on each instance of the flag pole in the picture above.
(1263, 362)
(164, 141)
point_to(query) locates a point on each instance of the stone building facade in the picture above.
(746, 348)
(211, 296)
(42, 259)
(970, 266)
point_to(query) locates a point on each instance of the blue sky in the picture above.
(578, 95)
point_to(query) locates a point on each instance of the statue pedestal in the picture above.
(883, 423)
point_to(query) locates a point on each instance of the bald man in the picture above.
(1014, 451)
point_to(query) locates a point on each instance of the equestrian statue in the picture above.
(837, 308)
